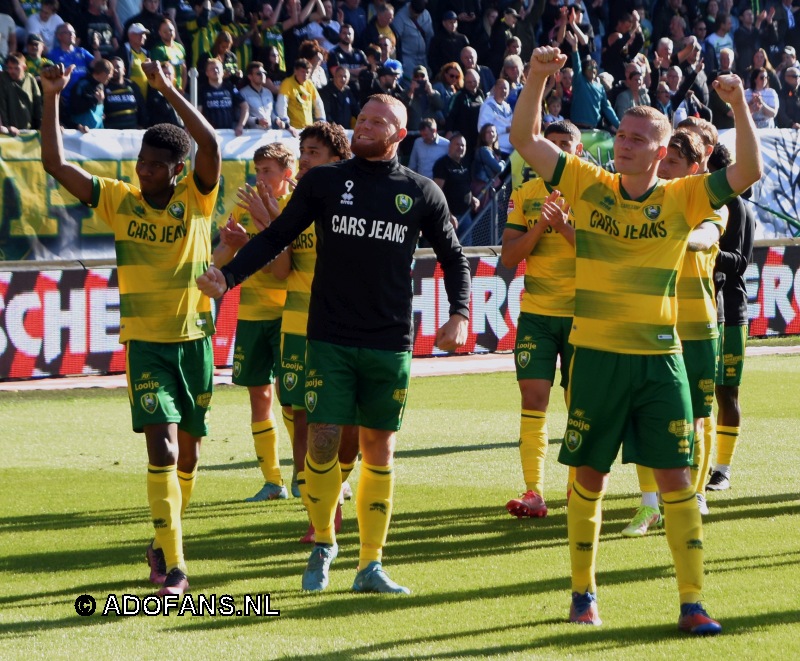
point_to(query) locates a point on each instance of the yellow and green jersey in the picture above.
(629, 252)
(175, 55)
(244, 51)
(300, 98)
(697, 304)
(160, 254)
(550, 268)
(203, 37)
(262, 295)
(298, 284)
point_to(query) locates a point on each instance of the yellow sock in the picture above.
(265, 441)
(187, 482)
(647, 479)
(533, 448)
(346, 470)
(324, 484)
(301, 484)
(584, 518)
(709, 432)
(164, 496)
(288, 422)
(684, 529)
(374, 511)
(726, 444)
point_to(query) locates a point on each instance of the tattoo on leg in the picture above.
(323, 442)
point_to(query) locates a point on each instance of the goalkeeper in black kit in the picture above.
(369, 212)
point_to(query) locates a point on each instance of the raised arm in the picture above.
(526, 125)
(72, 177)
(749, 166)
(208, 160)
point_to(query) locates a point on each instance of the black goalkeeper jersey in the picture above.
(368, 216)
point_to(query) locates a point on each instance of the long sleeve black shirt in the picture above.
(368, 216)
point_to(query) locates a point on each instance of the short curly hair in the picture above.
(331, 135)
(170, 137)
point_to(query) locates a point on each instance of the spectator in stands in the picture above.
(347, 55)
(150, 18)
(414, 28)
(721, 38)
(133, 54)
(512, 72)
(496, 110)
(170, 50)
(589, 100)
(368, 78)
(272, 65)
(8, 35)
(722, 115)
(789, 108)
(469, 60)
(448, 82)
(88, 96)
(45, 23)
(622, 44)
(488, 164)
(552, 107)
(69, 53)
(123, 107)
(661, 101)
(310, 50)
(468, 14)
(355, 16)
(20, 98)
(663, 15)
(447, 43)
(34, 54)
(386, 81)
(502, 31)
(451, 174)
(786, 22)
(260, 101)
(662, 56)
(761, 61)
(220, 102)
(762, 100)
(563, 87)
(789, 59)
(422, 100)
(465, 109)
(388, 51)
(481, 37)
(340, 102)
(96, 32)
(382, 24)
(322, 27)
(222, 50)
(428, 148)
(159, 110)
(298, 100)
(243, 29)
(711, 16)
(747, 37)
(205, 27)
(635, 92)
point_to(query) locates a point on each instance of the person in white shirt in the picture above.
(496, 110)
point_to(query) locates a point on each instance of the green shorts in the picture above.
(292, 370)
(639, 402)
(256, 353)
(540, 341)
(731, 355)
(700, 359)
(352, 386)
(170, 382)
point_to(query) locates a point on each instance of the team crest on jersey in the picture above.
(399, 395)
(149, 402)
(403, 203)
(311, 400)
(523, 358)
(652, 211)
(289, 380)
(237, 368)
(573, 440)
(177, 210)
(203, 400)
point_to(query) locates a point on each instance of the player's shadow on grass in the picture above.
(241, 465)
(452, 449)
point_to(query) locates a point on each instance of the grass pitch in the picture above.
(74, 521)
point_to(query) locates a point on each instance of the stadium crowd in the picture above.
(457, 65)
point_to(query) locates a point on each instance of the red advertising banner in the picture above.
(66, 322)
